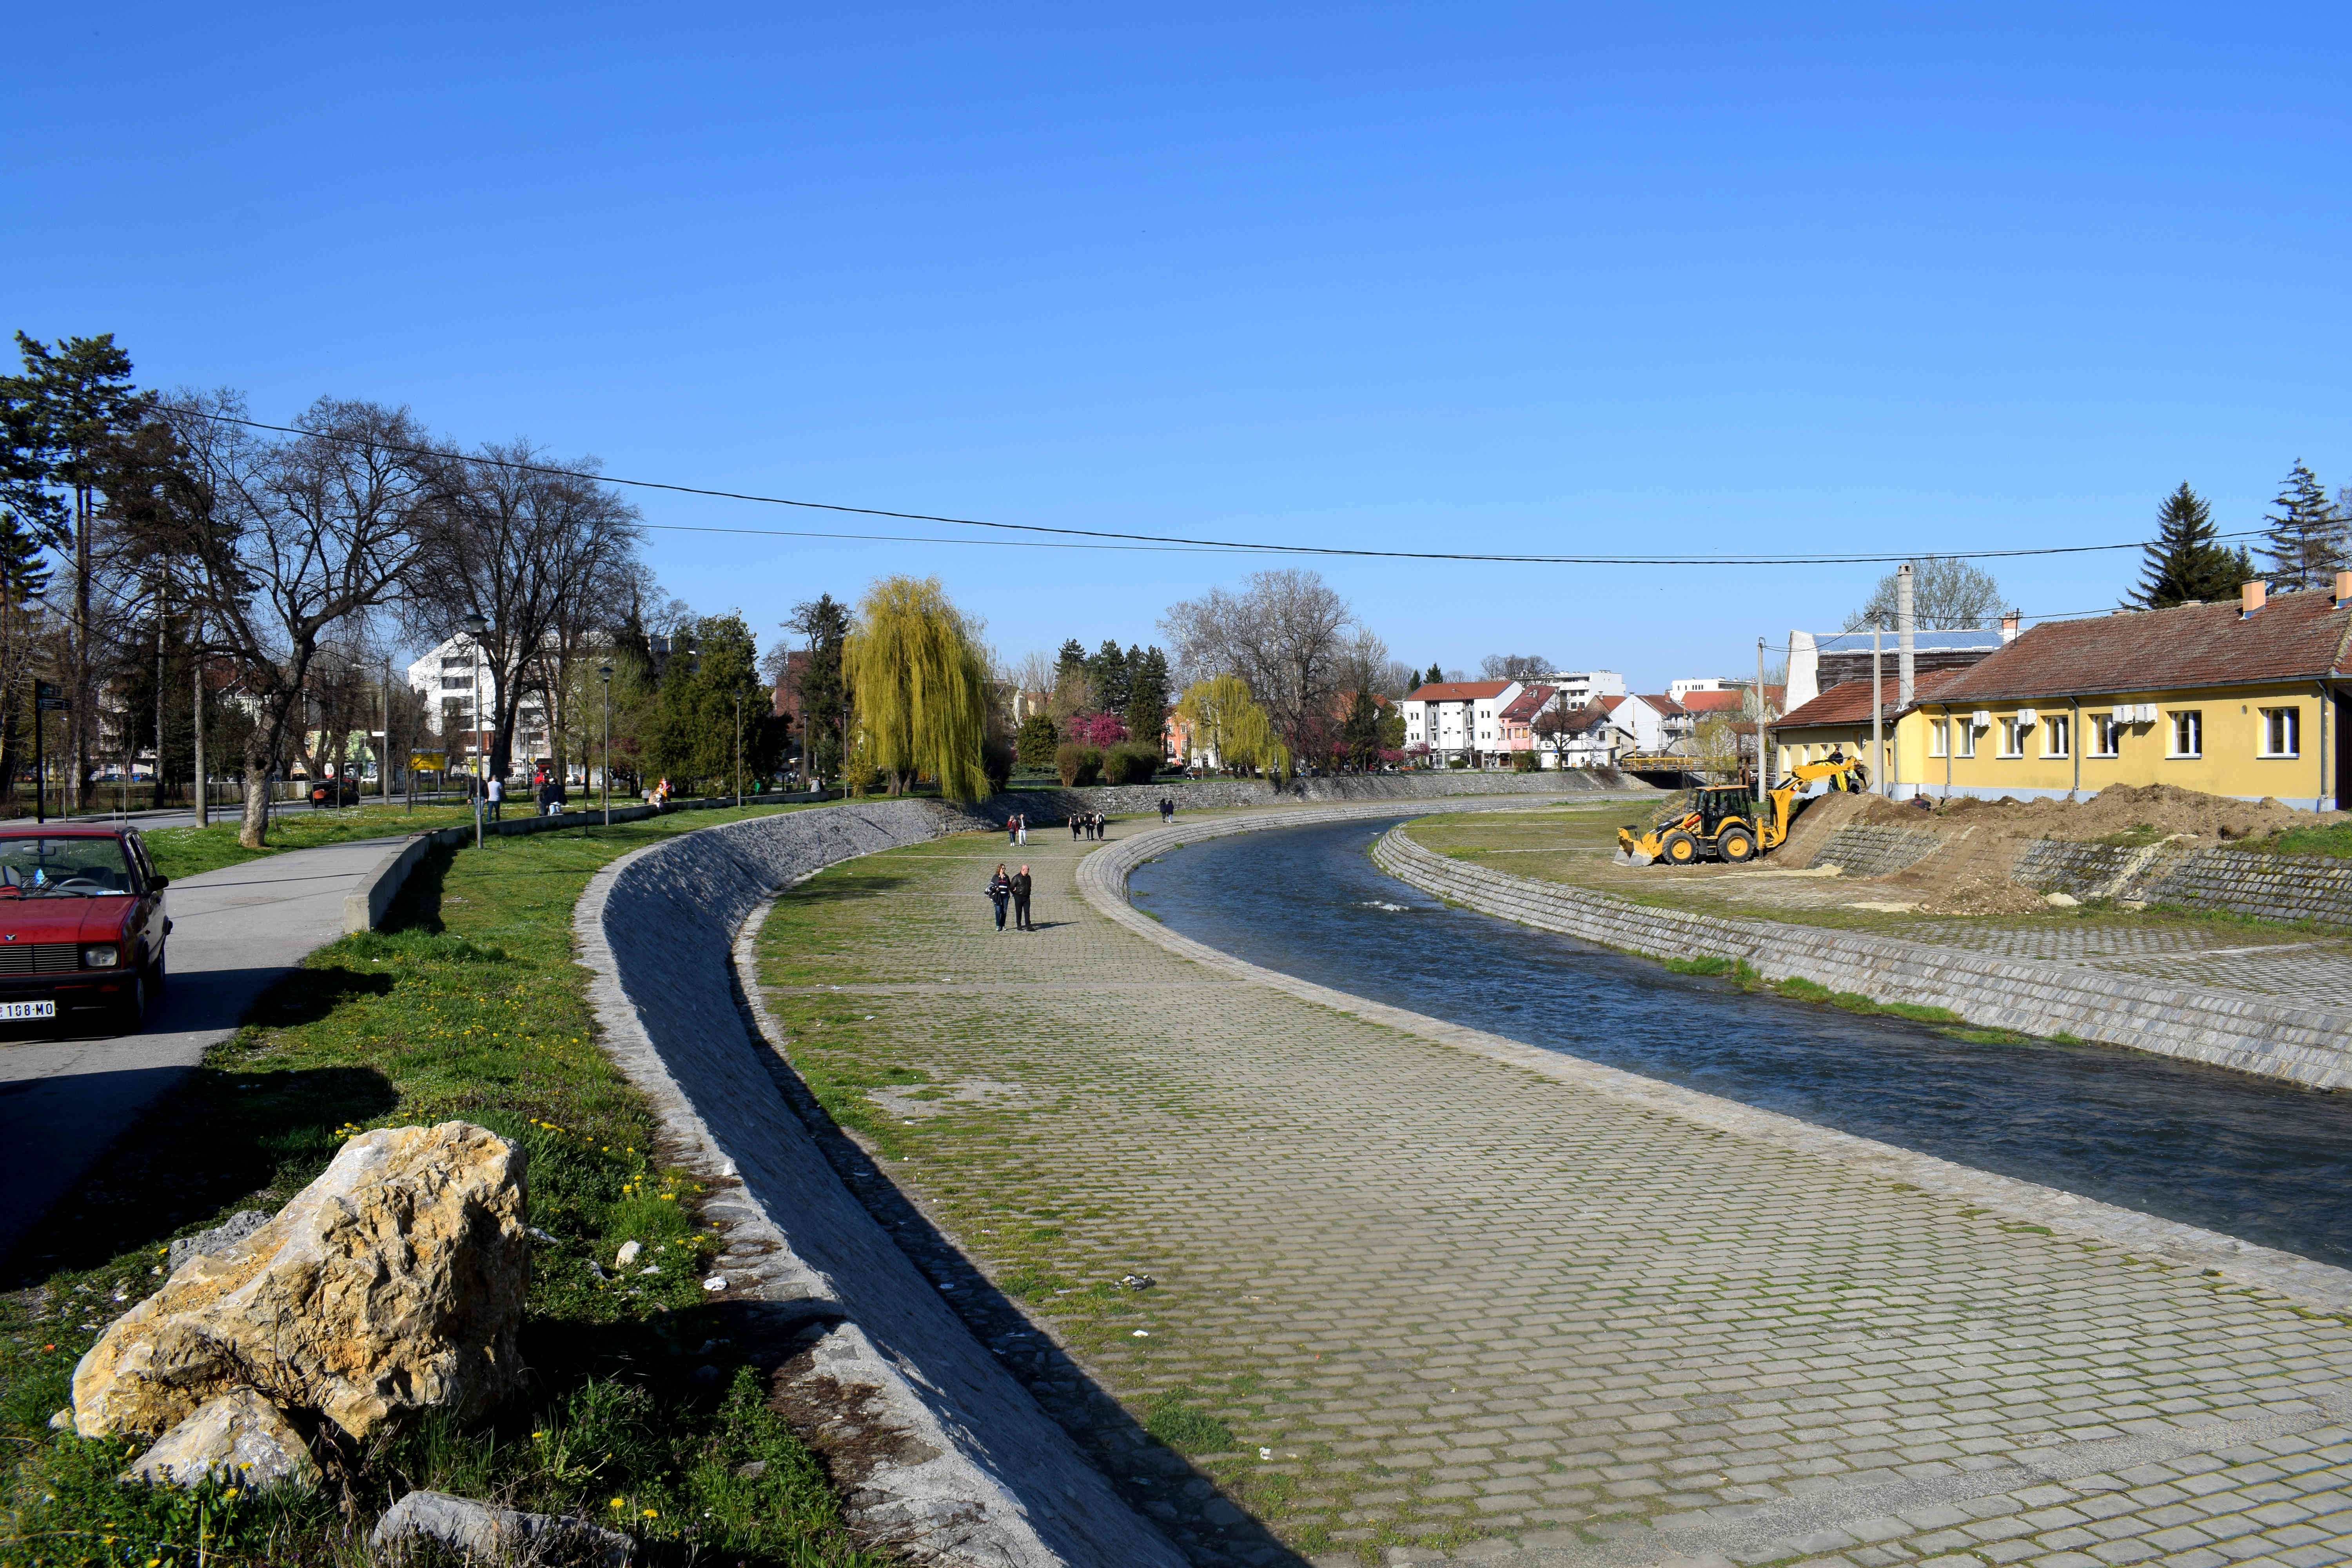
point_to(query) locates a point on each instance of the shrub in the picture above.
(995, 762)
(1035, 743)
(1131, 763)
(1525, 761)
(1458, 761)
(1076, 764)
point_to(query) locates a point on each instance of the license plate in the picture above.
(27, 1010)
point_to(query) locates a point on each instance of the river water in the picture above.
(2268, 1161)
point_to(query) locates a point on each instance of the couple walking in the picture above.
(1016, 830)
(1083, 824)
(1016, 889)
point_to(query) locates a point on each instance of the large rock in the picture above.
(239, 1437)
(394, 1282)
(483, 1532)
(219, 1241)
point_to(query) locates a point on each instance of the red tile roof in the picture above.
(1528, 703)
(1728, 701)
(2295, 636)
(1666, 706)
(1457, 690)
(1848, 703)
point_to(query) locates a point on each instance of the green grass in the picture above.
(469, 1007)
(2334, 841)
(185, 851)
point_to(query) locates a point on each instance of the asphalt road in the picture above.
(64, 1102)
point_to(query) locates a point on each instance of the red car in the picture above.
(81, 927)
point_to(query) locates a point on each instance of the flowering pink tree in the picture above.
(1103, 729)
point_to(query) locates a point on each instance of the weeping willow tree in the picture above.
(919, 688)
(1227, 723)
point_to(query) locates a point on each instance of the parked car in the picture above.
(81, 927)
(335, 792)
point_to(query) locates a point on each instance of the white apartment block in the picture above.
(1455, 717)
(1583, 685)
(449, 677)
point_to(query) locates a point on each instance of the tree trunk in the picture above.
(253, 832)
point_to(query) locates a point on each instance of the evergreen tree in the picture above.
(1072, 657)
(1147, 694)
(2185, 563)
(2306, 545)
(1359, 733)
(1436, 676)
(825, 695)
(1107, 670)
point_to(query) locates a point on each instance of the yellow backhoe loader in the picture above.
(1725, 823)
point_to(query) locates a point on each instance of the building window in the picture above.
(2012, 738)
(1966, 738)
(2282, 731)
(2057, 735)
(456, 682)
(2106, 735)
(1939, 738)
(2188, 733)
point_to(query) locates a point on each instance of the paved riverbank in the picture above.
(234, 931)
(1418, 1297)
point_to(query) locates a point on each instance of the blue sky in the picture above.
(1465, 277)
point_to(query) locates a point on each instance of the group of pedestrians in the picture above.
(1016, 833)
(1083, 826)
(1014, 890)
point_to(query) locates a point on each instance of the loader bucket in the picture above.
(1630, 858)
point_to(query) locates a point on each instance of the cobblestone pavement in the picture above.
(1410, 1302)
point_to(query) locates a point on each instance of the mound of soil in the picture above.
(2121, 808)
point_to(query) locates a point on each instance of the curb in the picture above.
(1102, 883)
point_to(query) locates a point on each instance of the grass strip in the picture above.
(468, 1005)
(185, 851)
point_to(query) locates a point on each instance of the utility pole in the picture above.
(383, 752)
(1763, 713)
(1877, 717)
(159, 698)
(739, 750)
(203, 779)
(1904, 622)
(605, 674)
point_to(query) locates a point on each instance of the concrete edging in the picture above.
(1102, 883)
(2298, 1043)
(960, 1465)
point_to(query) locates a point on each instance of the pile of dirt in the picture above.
(1971, 873)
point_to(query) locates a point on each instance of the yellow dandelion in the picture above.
(620, 1502)
(649, 1513)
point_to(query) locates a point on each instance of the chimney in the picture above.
(2343, 588)
(2250, 597)
(1905, 621)
(2009, 625)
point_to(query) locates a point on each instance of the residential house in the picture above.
(1516, 721)
(2245, 699)
(1453, 719)
(1818, 662)
(1583, 685)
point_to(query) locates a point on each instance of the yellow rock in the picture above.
(394, 1282)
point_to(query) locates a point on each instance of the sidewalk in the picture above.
(235, 930)
(1409, 1299)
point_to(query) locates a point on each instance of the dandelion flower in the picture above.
(620, 1502)
(649, 1513)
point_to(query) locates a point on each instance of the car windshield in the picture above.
(36, 867)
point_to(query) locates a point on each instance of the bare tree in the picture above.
(1526, 667)
(1283, 636)
(1947, 594)
(284, 544)
(538, 550)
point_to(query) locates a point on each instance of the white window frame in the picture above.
(2294, 717)
(1939, 738)
(2012, 736)
(2106, 736)
(1966, 737)
(2180, 723)
(2057, 735)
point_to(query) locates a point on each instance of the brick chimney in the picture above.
(2251, 596)
(2009, 625)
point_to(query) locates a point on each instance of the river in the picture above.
(2267, 1161)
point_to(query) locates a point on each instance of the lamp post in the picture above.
(605, 675)
(739, 750)
(476, 624)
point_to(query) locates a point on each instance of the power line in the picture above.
(1168, 542)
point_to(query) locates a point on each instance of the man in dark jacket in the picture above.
(1021, 888)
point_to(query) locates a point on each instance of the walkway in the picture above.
(63, 1101)
(1427, 1302)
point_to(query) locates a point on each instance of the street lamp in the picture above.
(739, 750)
(476, 624)
(605, 674)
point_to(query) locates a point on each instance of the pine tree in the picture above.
(2305, 546)
(2185, 563)
(1436, 676)
(1072, 657)
(1107, 670)
(1146, 693)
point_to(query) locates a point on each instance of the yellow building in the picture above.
(2244, 699)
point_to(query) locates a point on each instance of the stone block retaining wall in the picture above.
(1863, 850)
(2268, 887)
(2305, 1044)
(966, 1468)
(1052, 805)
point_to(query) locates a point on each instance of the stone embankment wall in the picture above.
(1202, 795)
(965, 1467)
(1863, 850)
(2305, 1044)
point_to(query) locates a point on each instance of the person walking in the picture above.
(1077, 827)
(495, 795)
(1024, 830)
(1167, 811)
(1022, 887)
(1012, 828)
(1100, 823)
(1000, 889)
(551, 798)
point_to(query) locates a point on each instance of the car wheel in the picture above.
(156, 976)
(132, 1015)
